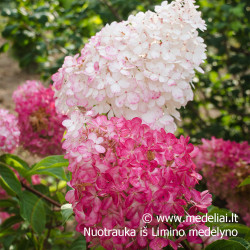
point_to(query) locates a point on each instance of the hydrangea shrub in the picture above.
(138, 73)
(40, 126)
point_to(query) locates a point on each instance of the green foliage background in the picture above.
(41, 33)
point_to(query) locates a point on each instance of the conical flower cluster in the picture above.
(142, 67)
(122, 169)
(40, 126)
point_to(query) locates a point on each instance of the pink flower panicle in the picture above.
(225, 164)
(9, 132)
(141, 67)
(122, 169)
(41, 127)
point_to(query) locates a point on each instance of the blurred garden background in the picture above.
(35, 37)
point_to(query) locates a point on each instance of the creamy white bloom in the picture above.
(141, 67)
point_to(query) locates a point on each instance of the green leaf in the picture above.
(225, 245)
(25, 244)
(242, 241)
(245, 182)
(55, 172)
(10, 179)
(9, 30)
(8, 239)
(79, 244)
(6, 233)
(219, 211)
(51, 165)
(67, 212)
(4, 48)
(51, 162)
(6, 187)
(7, 203)
(14, 161)
(243, 230)
(42, 189)
(102, 248)
(66, 3)
(32, 210)
(10, 222)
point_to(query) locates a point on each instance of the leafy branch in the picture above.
(36, 192)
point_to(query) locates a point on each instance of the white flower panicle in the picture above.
(142, 67)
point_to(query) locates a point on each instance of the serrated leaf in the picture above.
(32, 210)
(10, 179)
(51, 165)
(225, 245)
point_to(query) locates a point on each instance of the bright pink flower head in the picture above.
(122, 169)
(225, 164)
(41, 127)
(9, 131)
